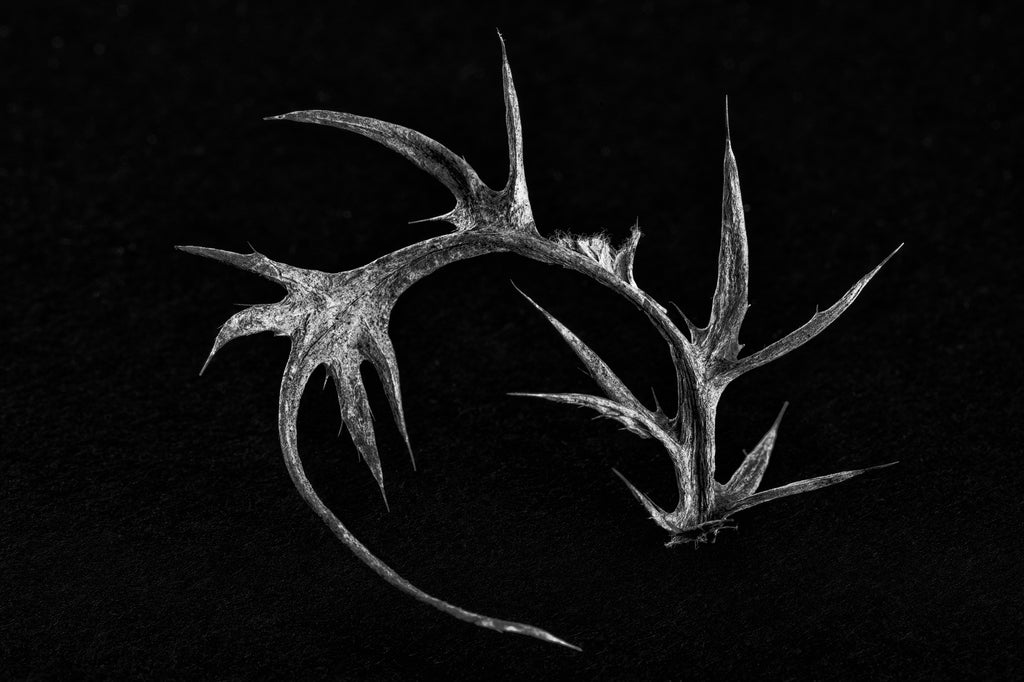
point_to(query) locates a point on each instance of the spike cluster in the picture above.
(340, 320)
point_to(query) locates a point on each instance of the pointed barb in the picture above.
(209, 358)
(728, 135)
(548, 637)
(696, 333)
(657, 405)
(449, 217)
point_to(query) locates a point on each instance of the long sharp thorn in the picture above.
(694, 329)
(798, 487)
(438, 218)
(657, 405)
(515, 188)
(728, 135)
(656, 512)
(209, 358)
(817, 324)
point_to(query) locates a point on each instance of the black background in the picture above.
(149, 528)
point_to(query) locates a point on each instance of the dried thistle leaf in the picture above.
(340, 320)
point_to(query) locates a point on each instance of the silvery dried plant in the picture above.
(340, 320)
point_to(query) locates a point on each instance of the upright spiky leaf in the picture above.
(730, 301)
(515, 189)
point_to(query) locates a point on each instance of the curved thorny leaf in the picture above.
(340, 320)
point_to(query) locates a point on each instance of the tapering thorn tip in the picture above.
(728, 134)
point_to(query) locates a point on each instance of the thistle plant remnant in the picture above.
(340, 320)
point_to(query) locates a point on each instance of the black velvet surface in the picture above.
(148, 527)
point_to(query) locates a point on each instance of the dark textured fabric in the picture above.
(147, 526)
